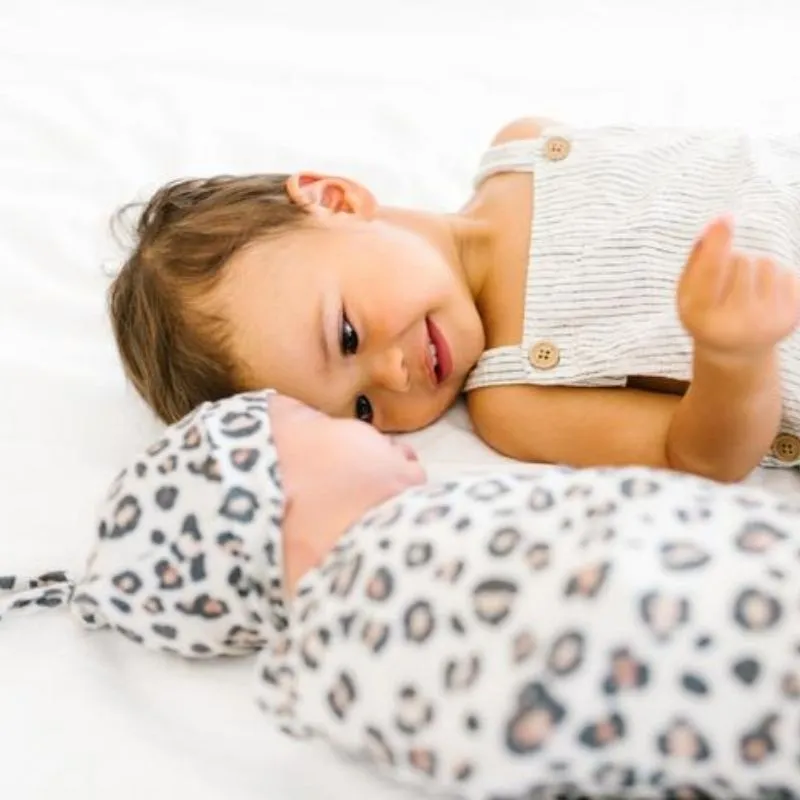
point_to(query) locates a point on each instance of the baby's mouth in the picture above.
(440, 359)
(434, 359)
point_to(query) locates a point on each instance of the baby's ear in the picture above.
(327, 194)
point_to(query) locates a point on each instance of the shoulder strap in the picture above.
(517, 156)
(499, 366)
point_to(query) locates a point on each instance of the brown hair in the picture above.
(174, 351)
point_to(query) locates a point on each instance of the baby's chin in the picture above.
(419, 415)
(415, 474)
(406, 476)
(410, 468)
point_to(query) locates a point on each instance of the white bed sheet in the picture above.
(100, 103)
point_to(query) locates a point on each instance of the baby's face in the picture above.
(354, 315)
(333, 472)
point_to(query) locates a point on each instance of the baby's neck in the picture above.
(463, 240)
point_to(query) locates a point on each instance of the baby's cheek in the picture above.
(394, 314)
(401, 303)
(298, 557)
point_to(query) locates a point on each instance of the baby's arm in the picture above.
(737, 311)
(728, 419)
(720, 429)
(576, 426)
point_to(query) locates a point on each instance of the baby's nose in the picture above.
(406, 449)
(389, 370)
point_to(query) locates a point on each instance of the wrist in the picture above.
(726, 422)
(751, 367)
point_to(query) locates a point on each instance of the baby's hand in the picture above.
(734, 305)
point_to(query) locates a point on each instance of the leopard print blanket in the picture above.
(500, 636)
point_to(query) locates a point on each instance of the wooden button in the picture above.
(786, 447)
(557, 148)
(544, 355)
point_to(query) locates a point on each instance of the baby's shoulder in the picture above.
(523, 128)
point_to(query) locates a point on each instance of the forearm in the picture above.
(728, 418)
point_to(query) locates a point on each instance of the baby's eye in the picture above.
(363, 409)
(348, 338)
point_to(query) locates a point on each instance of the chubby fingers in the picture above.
(707, 274)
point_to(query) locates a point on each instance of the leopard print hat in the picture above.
(188, 553)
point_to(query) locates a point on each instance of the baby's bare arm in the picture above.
(720, 429)
(737, 309)
(728, 419)
(576, 426)
(725, 423)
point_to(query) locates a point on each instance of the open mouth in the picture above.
(439, 352)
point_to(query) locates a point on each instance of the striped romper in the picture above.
(617, 211)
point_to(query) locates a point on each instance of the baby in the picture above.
(507, 635)
(591, 298)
